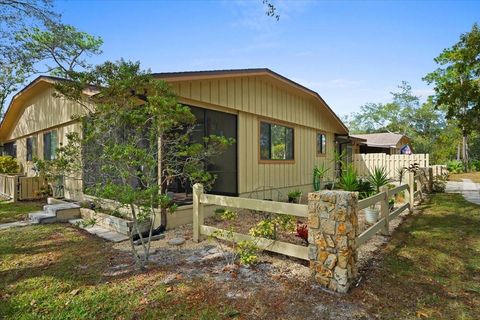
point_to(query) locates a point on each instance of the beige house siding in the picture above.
(44, 111)
(254, 99)
(251, 98)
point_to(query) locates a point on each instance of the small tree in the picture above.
(137, 141)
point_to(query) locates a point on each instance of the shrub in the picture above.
(455, 166)
(8, 164)
(476, 165)
(247, 252)
(439, 183)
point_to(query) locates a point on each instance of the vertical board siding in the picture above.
(256, 98)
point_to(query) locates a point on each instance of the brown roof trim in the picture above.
(179, 76)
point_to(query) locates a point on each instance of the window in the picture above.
(31, 148)
(10, 149)
(276, 142)
(321, 144)
(50, 141)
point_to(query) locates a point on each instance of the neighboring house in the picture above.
(386, 142)
(257, 107)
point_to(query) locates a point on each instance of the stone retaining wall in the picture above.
(333, 228)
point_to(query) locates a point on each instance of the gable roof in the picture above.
(212, 74)
(384, 139)
(42, 82)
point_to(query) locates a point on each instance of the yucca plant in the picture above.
(349, 179)
(318, 175)
(378, 178)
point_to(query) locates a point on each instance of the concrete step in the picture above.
(63, 212)
(42, 217)
(99, 231)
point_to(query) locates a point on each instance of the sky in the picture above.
(350, 52)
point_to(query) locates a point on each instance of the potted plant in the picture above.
(377, 179)
(294, 196)
(371, 212)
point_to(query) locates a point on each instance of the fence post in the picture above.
(420, 185)
(198, 217)
(333, 229)
(385, 210)
(411, 190)
(430, 179)
(16, 188)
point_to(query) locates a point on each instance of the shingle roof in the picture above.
(384, 139)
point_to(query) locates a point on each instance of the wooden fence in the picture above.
(200, 199)
(385, 214)
(439, 170)
(365, 163)
(17, 187)
(300, 210)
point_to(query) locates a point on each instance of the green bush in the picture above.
(8, 164)
(476, 165)
(455, 166)
(439, 184)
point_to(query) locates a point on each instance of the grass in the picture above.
(57, 272)
(10, 212)
(431, 268)
(474, 176)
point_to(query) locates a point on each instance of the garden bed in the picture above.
(247, 219)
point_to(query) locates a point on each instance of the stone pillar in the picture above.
(332, 231)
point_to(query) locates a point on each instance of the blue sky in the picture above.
(350, 52)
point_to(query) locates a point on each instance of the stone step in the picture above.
(99, 231)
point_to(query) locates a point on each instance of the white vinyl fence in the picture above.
(365, 163)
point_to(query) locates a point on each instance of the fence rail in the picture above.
(383, 197)
(199, 228)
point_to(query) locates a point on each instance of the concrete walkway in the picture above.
(469, 189)
(15, 224)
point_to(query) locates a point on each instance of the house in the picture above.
(257, 107)
(385, 142)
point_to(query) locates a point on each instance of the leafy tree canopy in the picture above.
(457, 80)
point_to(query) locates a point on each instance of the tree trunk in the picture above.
(465, 150)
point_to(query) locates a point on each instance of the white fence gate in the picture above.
(365, 163)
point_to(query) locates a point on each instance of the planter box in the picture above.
(109, 222)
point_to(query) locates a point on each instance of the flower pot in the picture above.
(371, 215)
